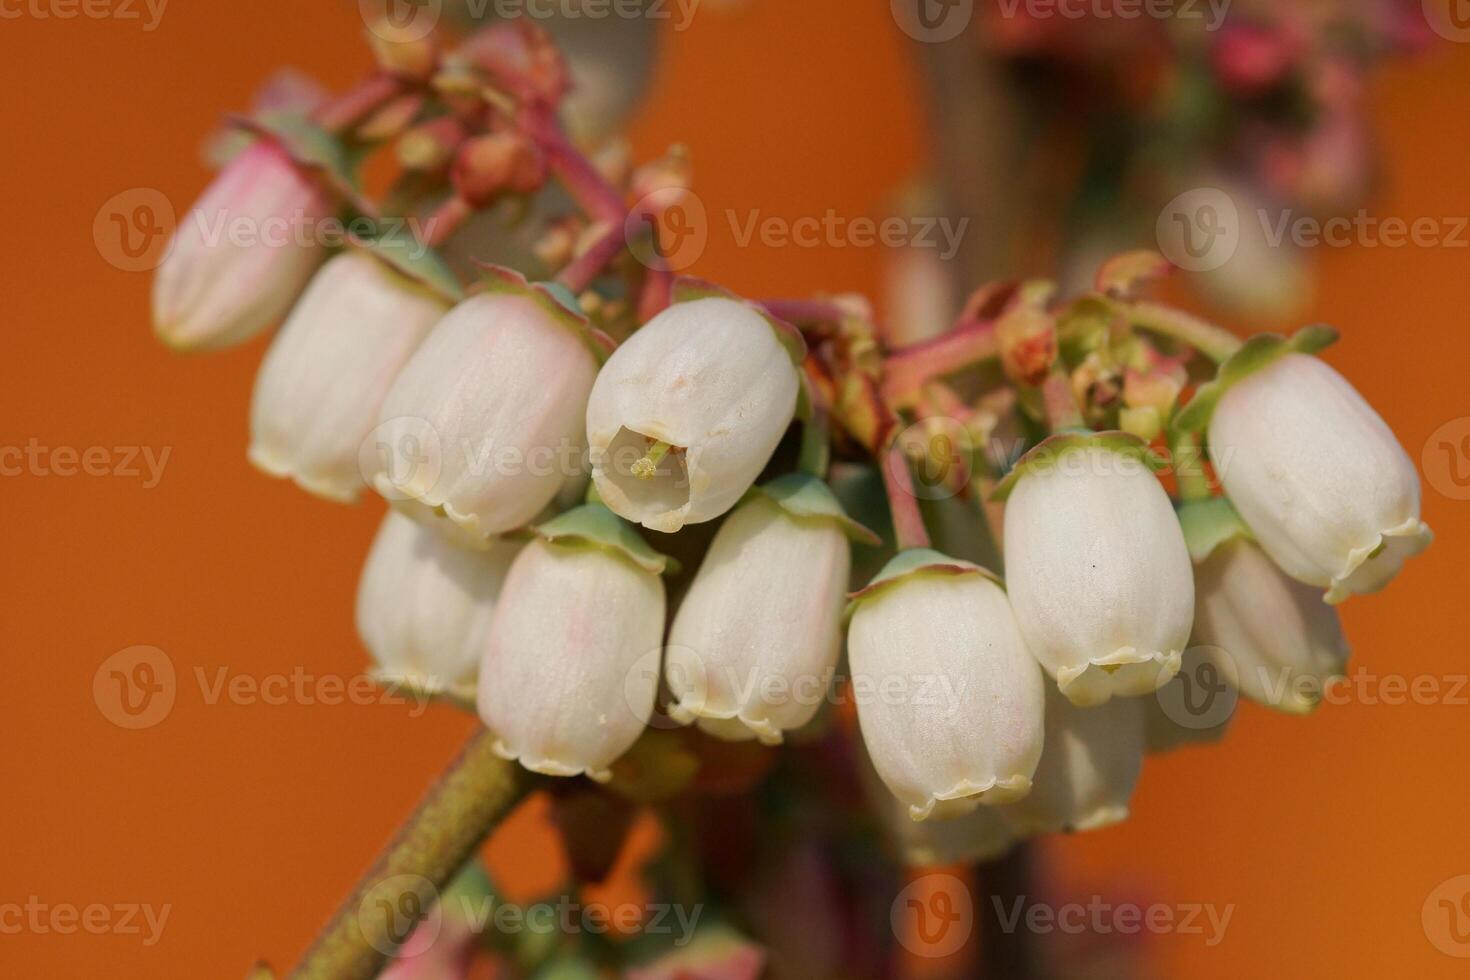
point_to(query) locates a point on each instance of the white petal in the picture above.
(1089, 767)
(570, 670)
(484, 423)
(1318, 476)
(1098, 574)
(708, 377)
(327, 372)
(949, 700)
(757, 635)
(1285, 643)
(424, 605)
(240, 258)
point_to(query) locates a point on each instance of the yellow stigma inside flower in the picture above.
(647, 467)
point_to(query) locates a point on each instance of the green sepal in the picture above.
(915, 562)
(1207, 524)
(1256, 353)
(402, 251)
(805, 497)
(552, 298)
(1050, 449)
(687, 289)
(311, 148)
(595, 526)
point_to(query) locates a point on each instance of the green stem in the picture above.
(1214, 342)
(1189, 473)
(443, 833)
(816, 444)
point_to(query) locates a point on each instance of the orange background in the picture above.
(251, 821)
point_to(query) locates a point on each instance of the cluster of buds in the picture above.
(543, 444)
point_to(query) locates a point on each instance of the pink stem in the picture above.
(446, 220)
(589, 188)
(906, 371)
(1061, 405)
(581, 271)
(353, 105)
(903, 502)
(804, 311)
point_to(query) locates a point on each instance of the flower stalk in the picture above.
(477, 790)
(903, 502)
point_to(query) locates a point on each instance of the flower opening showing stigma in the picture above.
(646, 468)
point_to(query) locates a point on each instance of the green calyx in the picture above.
(1207, 524)
(594, 526)
(554, 298)
(806, 498)
(688, 289)
(913, 563)
(1051, 449)
(401, 251)
(1258, 352)
(311, 148)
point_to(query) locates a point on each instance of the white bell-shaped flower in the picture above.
(687, 412)
(1096, 566)
(570, 667)
(484, 423)
(1316, 474)
(241, 256)
(327, 372)
(424, 605)
(1089, 767)
(755, 641)
(1284, 643)
(949, 700)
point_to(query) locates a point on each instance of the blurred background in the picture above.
(1332, 839)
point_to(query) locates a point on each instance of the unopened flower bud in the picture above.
(424, 605)
(756, 638)
(489, 166)
(1028, 344)
(686, 413)
(1088, 770)
(570, 668)
(326, 374)
(951, 701)
(1097, 568)
(484, 422)
(241, 257)
(1286, 644)
(1317, 475)
(430, 146)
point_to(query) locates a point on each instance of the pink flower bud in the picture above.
(243, 254)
